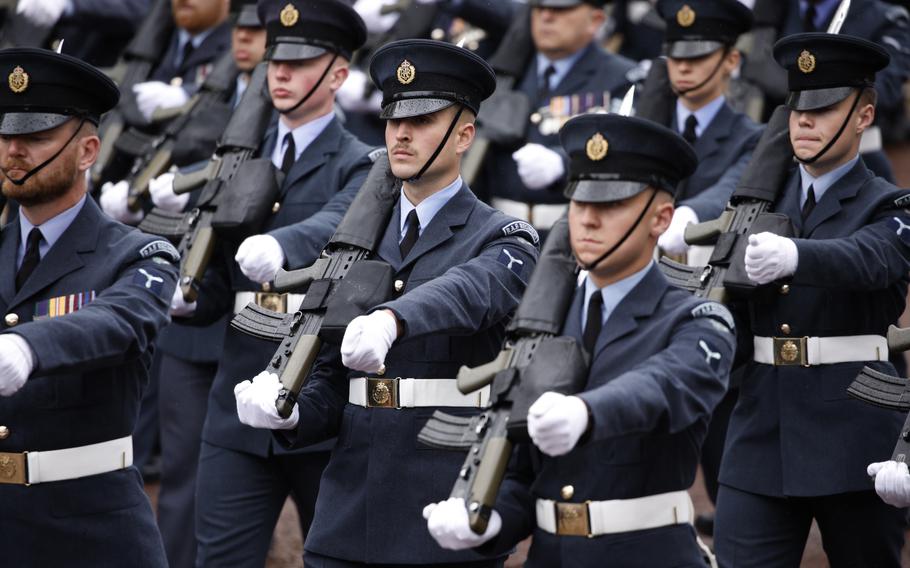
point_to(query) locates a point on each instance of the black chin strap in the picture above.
(439, 148)
(684, 92)
(641, 216)
(44, 164)
(313, 90)
(843, 126)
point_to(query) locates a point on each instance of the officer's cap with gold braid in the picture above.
(613, 157)
(304, 29)
(245, 14)
(824, 69)
(44, 89)
(421, 76)
(696, 28)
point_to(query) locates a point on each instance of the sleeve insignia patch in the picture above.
(715, 311)
(522, 229)
(511, 260)
(160, 248)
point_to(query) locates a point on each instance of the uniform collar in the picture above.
(184, 36)
(613, 293)
(429, 207)
(824, 9)
(822, 183)
(51, 230)
(304, 135)
(704, 115)
(562, 66)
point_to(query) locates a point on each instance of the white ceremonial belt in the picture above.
(411, 393)
(871, 140)
(281, 303)
(595, 518)
(541, 216)
(29, 468)
(808, 351)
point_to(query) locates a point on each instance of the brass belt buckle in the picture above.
(382, 393)
(791, 351)
(14, 468)
(271, 301)
(572, 519)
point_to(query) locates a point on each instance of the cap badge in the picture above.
(686, 16)
(806, 62)
(597, 147)
(18, 80)
(289, 16)
(406, 73)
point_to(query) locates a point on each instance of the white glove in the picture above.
(428, 1)
(42, 13)
(556, 422)
(367, 340)
(352, 94)
(260, 257)
(256, 403)
(447, 522)
(673, 240)
(113, 202)
(179, 305)
(16, 363)
(162, 191)
(892, 482)
(770, 257)
(156, 94)
(538, 166)
(375, 21)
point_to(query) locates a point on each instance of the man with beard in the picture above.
(83, 298)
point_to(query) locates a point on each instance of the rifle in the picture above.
(503, 119)
(886, 391)
(155, 154)
(226, 205)
(746, 214)
(135, 65)
(533, 361)
(341, 285)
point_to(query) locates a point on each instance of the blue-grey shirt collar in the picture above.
(51, 230)
(429, 207)
(613, 293)
(704, 115)
(822, 183)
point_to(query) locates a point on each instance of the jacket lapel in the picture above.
(719, 130)
(63, 258)
(9, 246)
(453, 214)
(314, 155)
(579, 75)
(843, 189)
(639, 302)
(572, 325)
(789, 202)
(388, 247)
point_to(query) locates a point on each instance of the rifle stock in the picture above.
(898, 339)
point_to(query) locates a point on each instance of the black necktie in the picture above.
(689, 132)
(31, 258)
(410, 237)
(543, 93)
(809, 17)
(188, 49)
(809, 205)
(289, 154)
(594, 321)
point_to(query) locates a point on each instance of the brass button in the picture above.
(438, 34)
(4, 432)
(177, 82)
(11, 319)
(785, 289)
(399, 285)
(785, 329)
(536, 118)
(276, 207)
(567, 492)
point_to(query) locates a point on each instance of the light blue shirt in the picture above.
(51, 230)
(704, 115)
(428, 208)
(184, 36)
(824, 10)
(612, 294)
(562, 67)
(821, 184)
(303, 137)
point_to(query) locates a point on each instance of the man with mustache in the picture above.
(83, 298)
(798, 445)
(460, 267)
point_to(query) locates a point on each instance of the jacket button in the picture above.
(4, 432)
(785, 289)
(399, 285)
(11, 319)
(276, 207)
(567, 492)
(785, 329)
